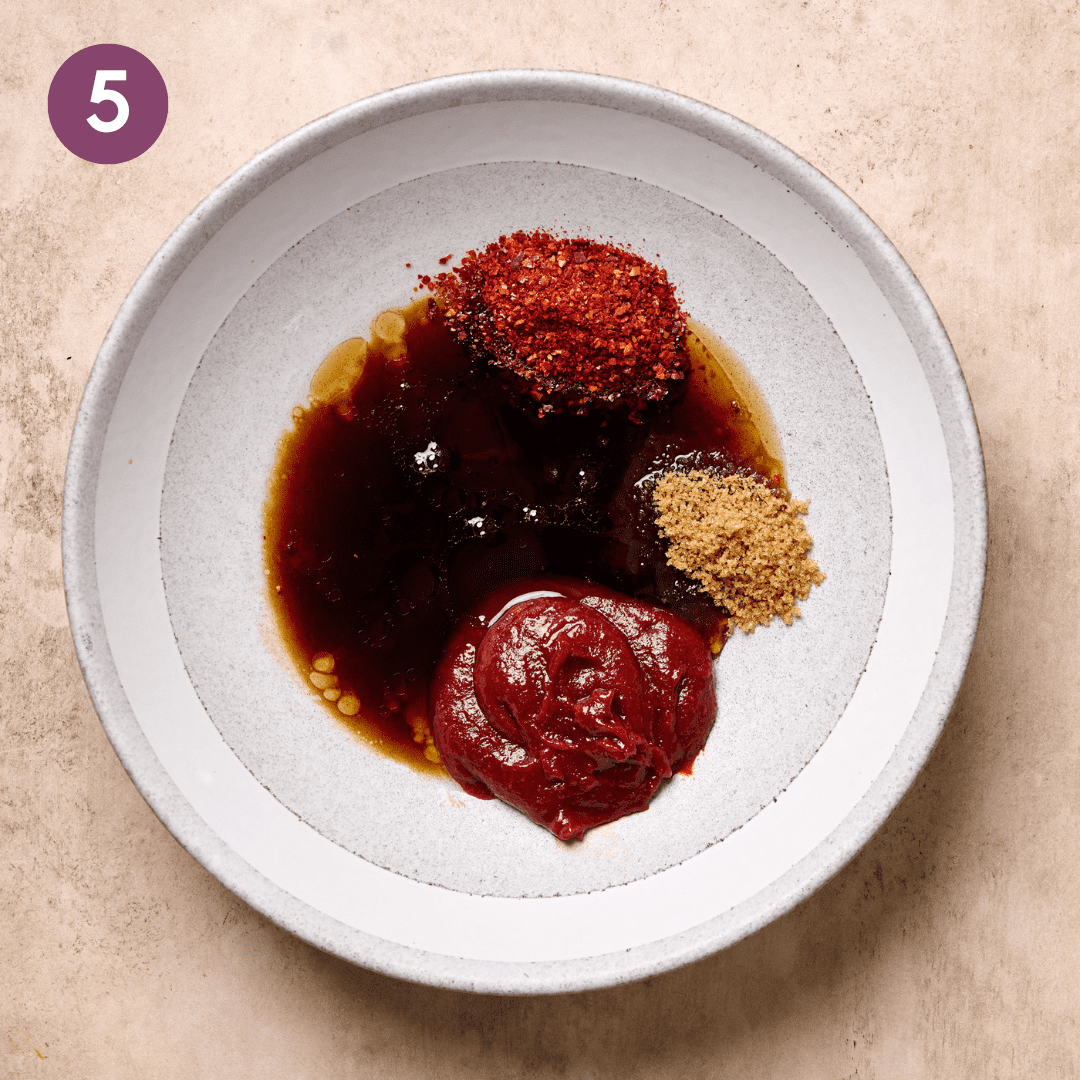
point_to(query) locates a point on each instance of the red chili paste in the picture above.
(572, 708)
(581, 322)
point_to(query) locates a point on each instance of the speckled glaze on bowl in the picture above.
(821, 727)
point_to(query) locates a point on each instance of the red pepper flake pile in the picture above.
(581, 322)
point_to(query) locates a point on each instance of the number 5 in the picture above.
(101, 93)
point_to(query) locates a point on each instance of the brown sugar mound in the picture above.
(741, 540)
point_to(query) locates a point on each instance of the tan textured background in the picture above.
(948, 948)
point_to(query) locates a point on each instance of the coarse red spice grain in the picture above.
(581, 322)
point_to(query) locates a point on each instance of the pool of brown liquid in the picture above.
(397, 506)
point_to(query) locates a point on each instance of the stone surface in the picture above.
(945, 948)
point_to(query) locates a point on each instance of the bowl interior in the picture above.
(781, 691)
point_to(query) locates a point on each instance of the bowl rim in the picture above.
(892, 276)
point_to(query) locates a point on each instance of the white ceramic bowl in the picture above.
(821, 727)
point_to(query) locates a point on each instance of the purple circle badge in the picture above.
(108, 104)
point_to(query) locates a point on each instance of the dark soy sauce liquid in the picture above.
(393, 512)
